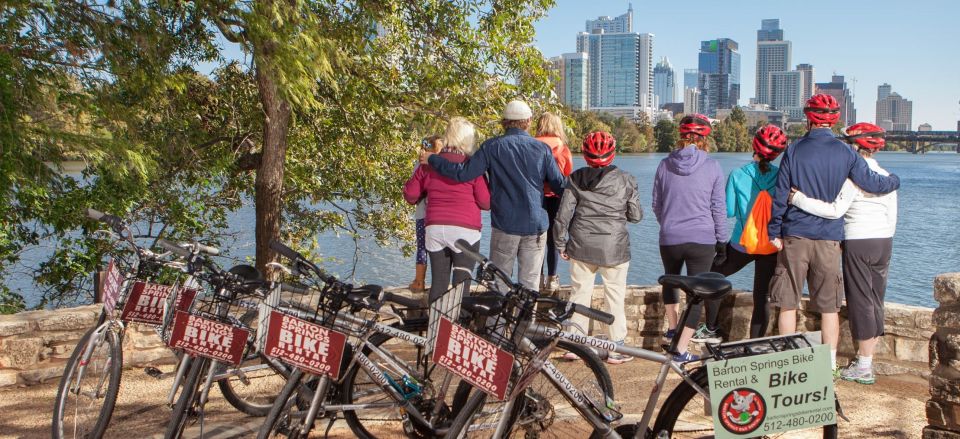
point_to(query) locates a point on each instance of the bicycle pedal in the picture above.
(153, 372)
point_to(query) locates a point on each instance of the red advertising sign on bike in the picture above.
(472, 358)
(208, 338)
(306, 345)
(111, 287)
(146, 300)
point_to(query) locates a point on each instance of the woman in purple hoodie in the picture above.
(689, 202)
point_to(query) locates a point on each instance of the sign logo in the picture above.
(111, 287)
(306, 345)
(742, 411)
(208, 338)
(472, 358)
(146, 301)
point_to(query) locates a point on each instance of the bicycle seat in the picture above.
(484, 304)
(706, 286)
(364, 292)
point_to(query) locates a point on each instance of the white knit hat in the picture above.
(517, 110)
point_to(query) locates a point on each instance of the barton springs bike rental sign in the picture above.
(763, 394)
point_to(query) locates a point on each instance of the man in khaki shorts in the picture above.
(817, 165)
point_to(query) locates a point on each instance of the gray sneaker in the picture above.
(705, 335)
(853, 372)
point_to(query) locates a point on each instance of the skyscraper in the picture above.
(787, 88)
(808, 81)
(620, 24)
(690, 78)
(773, 55)
(575, 73)
(837, 87)
(691, 100)
(894, 113)
(664, 83)
(719, 78)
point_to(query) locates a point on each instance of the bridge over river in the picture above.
(919, 142)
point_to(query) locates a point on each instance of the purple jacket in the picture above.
(688, 198)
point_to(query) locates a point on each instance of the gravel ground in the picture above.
(892, 408)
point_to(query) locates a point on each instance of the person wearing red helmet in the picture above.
(591, 232)
(688, 201)
(744, 186)
(817, 165)
(869, 224)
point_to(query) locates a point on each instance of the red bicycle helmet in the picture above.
(599, 148)
(867, 135)
(769, 142)
(695, 124)
(822, 109)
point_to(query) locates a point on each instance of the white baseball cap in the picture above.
(517, 110)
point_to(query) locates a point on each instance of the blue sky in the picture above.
(912, 45)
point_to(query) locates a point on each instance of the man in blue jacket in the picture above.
(517, 165)
(810, 245)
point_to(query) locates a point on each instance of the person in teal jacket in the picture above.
(743, 186)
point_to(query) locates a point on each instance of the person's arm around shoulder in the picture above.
(414, 189)
(869, 180)
(634, 210)
(481, 193)
(461, 172)
(561, 233)
(718, 205)
(833, 210)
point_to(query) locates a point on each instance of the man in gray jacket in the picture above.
(591, 232)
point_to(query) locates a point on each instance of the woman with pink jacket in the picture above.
(453, 209)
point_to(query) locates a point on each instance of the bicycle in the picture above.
(388, 386)
(688, 403)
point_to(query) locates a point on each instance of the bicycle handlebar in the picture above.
(402, 300)
(485, 263)
(586, 311)
(184, 250)
(285, 251)
(115, 222)
(173, 248)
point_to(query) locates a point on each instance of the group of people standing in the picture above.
(790, 221)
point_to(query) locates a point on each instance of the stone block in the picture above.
(931, 432)
(62, 336)
(946, 288)
(149, 356)
(945, 384)
(947, 316)
(911, 350)
(8, 378)
(13, 325)
(75, 319)
(943, 414)
(41, 375)
(20, 353)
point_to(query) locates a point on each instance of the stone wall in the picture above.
(943, 408)
(35, 345)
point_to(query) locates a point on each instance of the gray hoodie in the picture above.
(591, 224)
(688, 198)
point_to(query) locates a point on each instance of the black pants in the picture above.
(763, 268)
(865, 266)
(698, 258)
(551, 205)
(441, 264)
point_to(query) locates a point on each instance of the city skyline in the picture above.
(934, 91)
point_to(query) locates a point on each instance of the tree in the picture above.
(666, 134)
(732, 134)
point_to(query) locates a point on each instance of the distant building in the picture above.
(690, 78)
(925, 127)
(894, 113)
(571, 84)
(773, 55)
(675, 107)
(691, 100)
(719, 77)
(787, 90)
(808, 81)
(620, 24)
(837, 88)
(755, 117)
(620, 68)
(664, 83)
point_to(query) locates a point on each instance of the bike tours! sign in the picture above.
(111, 287)
(208, 338)
(765, 394)
(306, 345)
(472, 358)
(146, 300)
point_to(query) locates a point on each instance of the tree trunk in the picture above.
(268, 186)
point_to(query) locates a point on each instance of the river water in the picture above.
(926, 243)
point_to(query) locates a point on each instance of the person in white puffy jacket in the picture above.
(870, 221)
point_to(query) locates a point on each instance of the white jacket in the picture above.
(865, 215)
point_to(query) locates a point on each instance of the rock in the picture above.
(912, 350)
(947, 316)
(75, 319)
(946, 288)
(13, 325)
(8, 378)
(930, 432)
(43, 374)
(20, 353)
(152, 356)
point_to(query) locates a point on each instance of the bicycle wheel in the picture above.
(188, 395)
(543, 411)
(255, 383)
(683, 415)
(84, 403)
(282, 419)
(383, 418)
